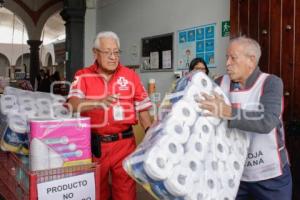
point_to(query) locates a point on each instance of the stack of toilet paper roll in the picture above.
(18, 107)
(187, 155)
(36, 105)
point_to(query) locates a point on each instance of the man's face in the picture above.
(108, 56)
(238, 65)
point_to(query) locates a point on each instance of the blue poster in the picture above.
(210, 58)
(200, 55)
(199, 46)
(209, 45)
(196, 42)
(209, 32)
(182, 37)
(200, 34)
(191, 35)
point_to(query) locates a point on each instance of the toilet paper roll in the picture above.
(8, 107)
(156, 164)
(60, 112)
(241, 138)
(17, 123)
(214, 120)
(196, 146)
(55, 159)
(177, 129)
(26, 100)
(224, 195)
(9, 99)
(172, 147)
(161, 192)
(204, 128)
(44, 113)
(202, 81)
(230, 186)
(29, 110)
(239, 152)
(221, 150)
(43, 103)
(179, 182)
(10, 90)
(39, 155)
(190, 162)
(212, 165)
(211, 183)
(219, 91)
(234, 165)
(225, 135)
(58, 99)
(193, 96)
(185, 112)
(197, 193)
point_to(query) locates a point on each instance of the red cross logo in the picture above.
(122, 81)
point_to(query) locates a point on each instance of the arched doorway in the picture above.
(13, 42)
(4, 65)
(48, 60)
(54, 33)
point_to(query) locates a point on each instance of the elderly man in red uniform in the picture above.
(113, 97)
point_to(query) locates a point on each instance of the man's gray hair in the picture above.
(252, 48)
(106, 34)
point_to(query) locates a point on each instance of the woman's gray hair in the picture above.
(106, 34)
(251, 46)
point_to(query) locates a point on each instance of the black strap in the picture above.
(96, 145)
(114, 137)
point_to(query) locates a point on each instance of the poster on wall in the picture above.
(196, 42)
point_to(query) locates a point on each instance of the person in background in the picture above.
(56, 86)
(256, 108)
(44, 82)
(111, 95)
(55, 76)
(198, 64)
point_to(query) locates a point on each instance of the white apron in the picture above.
(263, 159)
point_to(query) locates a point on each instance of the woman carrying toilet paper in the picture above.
(111, 95)
(256, 108)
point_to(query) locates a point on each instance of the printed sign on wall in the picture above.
(196, 42)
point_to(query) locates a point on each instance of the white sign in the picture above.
(166, 55)
(81, 187)
(154, 60)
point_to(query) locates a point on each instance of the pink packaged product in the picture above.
(58, 143)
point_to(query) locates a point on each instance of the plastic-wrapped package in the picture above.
(18, 107)
(187, 155)
(59, 143)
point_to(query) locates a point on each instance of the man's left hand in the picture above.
(216, 105)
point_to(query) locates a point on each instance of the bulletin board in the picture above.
(157, 53)
(196, 42)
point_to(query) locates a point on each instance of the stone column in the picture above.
(34, 59)
(73, 14)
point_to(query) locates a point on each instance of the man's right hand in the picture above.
(82, 105)
(107, 101)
